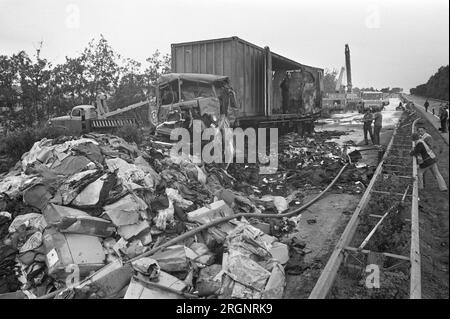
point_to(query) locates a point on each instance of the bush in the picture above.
(17, 143)
(130, 134)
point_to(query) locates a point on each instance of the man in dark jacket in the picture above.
(377, 124)
(427, 161)
(426, 105)
(443, 116)
(367, 126)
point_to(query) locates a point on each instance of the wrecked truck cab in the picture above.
(184, 97)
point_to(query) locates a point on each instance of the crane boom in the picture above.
(339, 81)
(349, 69)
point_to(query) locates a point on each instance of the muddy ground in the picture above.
(434, 240)
(329, 216)
(434, 233)
(319, 229)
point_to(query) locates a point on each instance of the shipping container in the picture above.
(256, 74)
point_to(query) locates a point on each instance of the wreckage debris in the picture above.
(75, 211)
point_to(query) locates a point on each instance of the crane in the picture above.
(339, 81)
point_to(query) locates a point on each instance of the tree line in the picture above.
(436, 86)
(32, 89)
(330, 80)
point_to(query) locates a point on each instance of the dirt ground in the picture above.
(322, 224)
(319, 229)
(434, 233)
(434, 241)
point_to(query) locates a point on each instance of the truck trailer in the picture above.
(270, 90)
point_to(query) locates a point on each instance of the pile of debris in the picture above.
(88, 209)
(97, 217)
(304, 164)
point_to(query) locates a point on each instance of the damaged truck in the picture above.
(222, 82)
(230, 78)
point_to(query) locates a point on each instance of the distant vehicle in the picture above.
(372, 99)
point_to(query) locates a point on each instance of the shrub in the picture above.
(17, 143)
(130, 134)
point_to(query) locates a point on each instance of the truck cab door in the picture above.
(74, 124)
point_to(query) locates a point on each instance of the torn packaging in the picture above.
(280, 252)
(276, 283)
(249, 240)
(202, 254)
(215, 210)
(95, 193)
(147, 266)
(72, 186)
(65, 250)
(13, 185)
(152, 178)
(31, 220)
(90, 150)
(71, 165)
(166, 216)
(133, 248)
(131, 174)
(172, 259)
(129, 231)
(280, 202)
(109, 281)
(245, 245)
(70, 220)
(33, 242)
(38, 195)
(140, 290)
(208, 282)
(126, 210)
(246, 271)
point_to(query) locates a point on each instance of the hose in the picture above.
(216, 222)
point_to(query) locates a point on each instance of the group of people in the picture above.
(425, 151)
(443, 115)
(376, 117)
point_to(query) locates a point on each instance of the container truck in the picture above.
(261, 88)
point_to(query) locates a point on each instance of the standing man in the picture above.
(427, 161)
(426, 137)
(377, 124)
(446, 110)
(443, 116)
(426, 105)
(367, 126)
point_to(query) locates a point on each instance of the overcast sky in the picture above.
(393, 42)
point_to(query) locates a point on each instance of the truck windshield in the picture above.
(76, 112)
(192, 90)
(168, 93)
